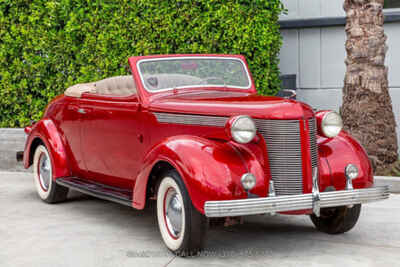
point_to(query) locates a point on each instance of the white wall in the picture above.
(300, 9)
(316, 55)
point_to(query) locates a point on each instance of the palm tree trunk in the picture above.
(367, 108)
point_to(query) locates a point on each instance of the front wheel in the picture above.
(337, 220)
(181, 226)
(46, 188)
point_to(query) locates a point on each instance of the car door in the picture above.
(111, 139)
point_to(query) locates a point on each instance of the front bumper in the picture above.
(253, 206)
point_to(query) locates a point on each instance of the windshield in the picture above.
(171, 73)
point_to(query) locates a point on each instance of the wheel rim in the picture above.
(173, 213)
(44, 171)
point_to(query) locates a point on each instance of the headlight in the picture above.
(242, 129)
(331, 124)
(248, 181)
(351, 171)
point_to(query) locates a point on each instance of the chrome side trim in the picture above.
(191, 119)
(253, 206)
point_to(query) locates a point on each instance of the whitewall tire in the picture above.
(46, 188)
(181, 226)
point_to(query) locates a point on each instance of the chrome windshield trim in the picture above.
(196, 86)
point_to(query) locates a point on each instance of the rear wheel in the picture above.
(337, 220)
(181, 226)
(46, 188)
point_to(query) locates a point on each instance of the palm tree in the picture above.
(367, 107)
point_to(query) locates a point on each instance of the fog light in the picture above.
(248, 181)
(351, 171)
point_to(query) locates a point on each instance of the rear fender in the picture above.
(210, 170)
(46, 132)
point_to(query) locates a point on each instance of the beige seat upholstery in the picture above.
(114, 86)
(119, 86)
(78, 89)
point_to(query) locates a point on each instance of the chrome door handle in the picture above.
(82, 111)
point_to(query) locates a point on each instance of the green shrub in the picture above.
(46, 46)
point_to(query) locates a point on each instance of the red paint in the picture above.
(210, 169)
(225, 104)
(47, 132)
(119, 140)
(337, 153)
(110, 148)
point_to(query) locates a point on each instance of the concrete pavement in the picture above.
(89, 232)
(11, 141)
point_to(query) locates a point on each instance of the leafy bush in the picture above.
(46, 46)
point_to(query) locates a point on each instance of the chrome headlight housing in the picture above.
(331, 124)
(242, 129)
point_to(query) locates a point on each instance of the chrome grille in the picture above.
(283, 144)
(284, 154)
(313, 142)
(191, 119)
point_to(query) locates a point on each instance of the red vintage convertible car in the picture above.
(191, 132)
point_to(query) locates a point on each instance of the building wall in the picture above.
(313, 8)
(316, 54)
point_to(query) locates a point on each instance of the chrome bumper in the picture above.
(253, 206)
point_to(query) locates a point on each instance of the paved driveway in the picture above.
(89, 232)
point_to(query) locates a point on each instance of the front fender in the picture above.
(335, 154)
(211, 170)
(46, 131)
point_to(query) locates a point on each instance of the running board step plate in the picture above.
(115, 194)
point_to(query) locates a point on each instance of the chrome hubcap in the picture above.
(44, 171)
(173, 212)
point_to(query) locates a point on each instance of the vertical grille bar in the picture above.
(284, 154)
(313, 142)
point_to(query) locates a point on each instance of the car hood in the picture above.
(230, 104)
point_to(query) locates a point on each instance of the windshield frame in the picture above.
(250, 81)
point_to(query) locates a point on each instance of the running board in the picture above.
(114, 194)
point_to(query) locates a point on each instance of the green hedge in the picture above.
(46, 46)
